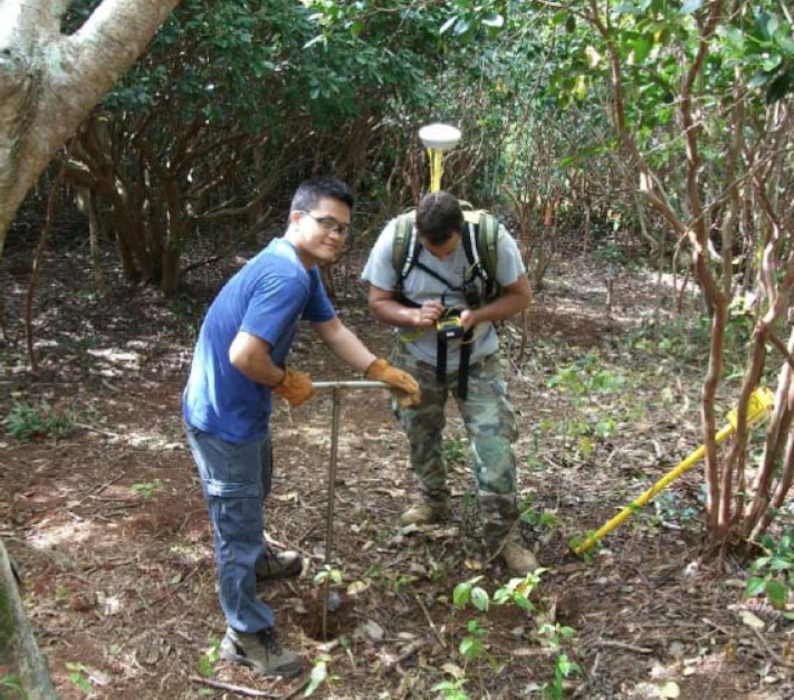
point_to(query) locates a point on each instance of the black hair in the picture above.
(314, 189)
(438, 217)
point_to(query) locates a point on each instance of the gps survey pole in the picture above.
(438, 138)
(336, 388)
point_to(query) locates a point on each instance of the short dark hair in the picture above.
(438, 217)
(314, 189)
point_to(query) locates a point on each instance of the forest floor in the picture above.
(109, 528)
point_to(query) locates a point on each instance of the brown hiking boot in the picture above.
(519, 560)
(424, 514)
(260, 651)
(280, 565)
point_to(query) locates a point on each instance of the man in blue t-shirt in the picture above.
(238, 363)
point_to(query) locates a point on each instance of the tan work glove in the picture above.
(407, 391)
(295, 386)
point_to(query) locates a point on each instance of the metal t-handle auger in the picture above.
(336, 387)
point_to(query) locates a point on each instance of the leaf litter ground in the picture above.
(110, 530)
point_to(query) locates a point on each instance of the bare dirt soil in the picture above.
(110, 531)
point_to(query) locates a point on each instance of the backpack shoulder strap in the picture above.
(479, 242)
(469, 236)
(487, 243)
(405, 249)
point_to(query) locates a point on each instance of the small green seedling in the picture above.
(210, 658)
(147, 488)
(319, 674)
(78, 674)
(774, 571)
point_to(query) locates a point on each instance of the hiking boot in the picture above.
(260, 651)
(424, 514)
(281, 565)
(519, 560)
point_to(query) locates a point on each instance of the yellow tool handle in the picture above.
(761, 401)
(650, 493)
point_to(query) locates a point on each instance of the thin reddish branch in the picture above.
(36, 266)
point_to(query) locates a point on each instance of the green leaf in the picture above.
(495, 21)
(759, 79)
(690, 6)
(642, 47)
(502, 596)
(314, 41)
(755, 586)
(785, 43)
(448, 24)
(319, 674)
(460, 596)
(470, 648)
(479, 598)
(771, 63)
(475, 628)
(780, 563)
(523, 602)
(767, 24)
(565, 665)
(205, 667)
(777, 594)
(462, 26)
(627, 8)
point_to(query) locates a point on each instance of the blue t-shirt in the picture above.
(266, 298)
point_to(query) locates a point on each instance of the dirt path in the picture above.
(110, 529)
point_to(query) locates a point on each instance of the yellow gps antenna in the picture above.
(438, 138)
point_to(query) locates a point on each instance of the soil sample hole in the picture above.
(339, 622)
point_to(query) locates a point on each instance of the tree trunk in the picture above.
(86, 203)
(49, 81)
(20, 657)
(170, 275)
(171, 249)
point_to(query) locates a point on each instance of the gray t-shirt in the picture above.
(419, 287)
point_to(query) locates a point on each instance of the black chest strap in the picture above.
(442, 342)
(463, 368)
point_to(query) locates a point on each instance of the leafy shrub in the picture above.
(774, 571)
(28, 422)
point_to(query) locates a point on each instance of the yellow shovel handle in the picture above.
(761, 401)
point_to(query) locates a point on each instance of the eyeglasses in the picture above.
(329, 224)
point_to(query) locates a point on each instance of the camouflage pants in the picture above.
(489, 418)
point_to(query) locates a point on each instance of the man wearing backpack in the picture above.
(433, 288)
(239, 362)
